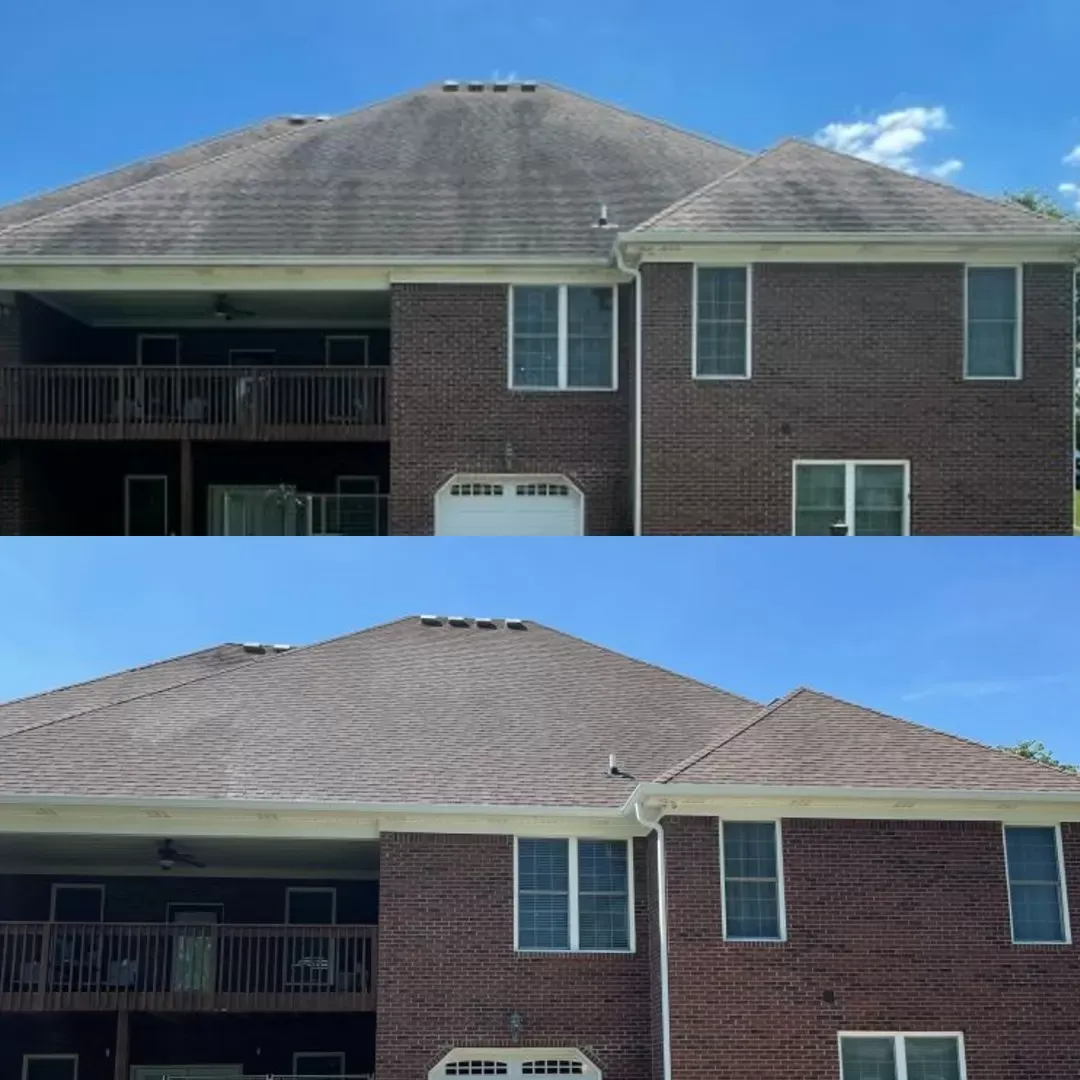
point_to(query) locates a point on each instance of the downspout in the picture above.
(661, 920)
(636, 467)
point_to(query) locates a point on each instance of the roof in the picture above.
(401, 713)
(808, 738)
(799, 187)
(494, 172)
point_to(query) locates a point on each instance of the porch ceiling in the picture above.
(224, 857)
(181, 308)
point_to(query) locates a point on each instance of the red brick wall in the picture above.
(905, 924)
(858, 361)
(449, 976)
(452, 410)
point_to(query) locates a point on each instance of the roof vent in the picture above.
(451, 86)
(515, 624)
(475, 87)
(431, 620)
(280, 648)
(486, 624)
(297, 119)
(528, 87)
(254, 648)
(322, 117)
(500, 87)
(457, 620)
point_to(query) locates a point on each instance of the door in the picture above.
(519, 505)
(146, 506)
(319, 1064)
(358, 506)
(50, 1067)
(851, 498)
(194, 954)
(310, 957)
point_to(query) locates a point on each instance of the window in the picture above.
(993, 331)
(573, 895)
(722, 322)
(347, 350)
(562, 337)
(50, 1067)
(851, 498)
(1037, 901)
(901, 1057)
(752, 881)
(77, 903)
(310, 907)
(515, 1063)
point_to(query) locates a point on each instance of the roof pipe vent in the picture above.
(451, 86)
(515, 624)
(486, 624)
(474, 87)
(458, 620)
(431, 620)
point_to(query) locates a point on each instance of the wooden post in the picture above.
(122, 1054)
(187, 494)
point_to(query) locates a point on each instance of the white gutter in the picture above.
(638, 450)
(681, 236)
(673, 789)
(92, 262)
(662, 925)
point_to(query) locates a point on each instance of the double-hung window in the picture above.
(1037, 900)
(721, 322)
(752, 880)
(562, 337)
(927, 1056)
(573, 895)
(994, 330)
(851, 498)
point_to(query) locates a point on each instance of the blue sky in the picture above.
(927, 84)
(974, 636)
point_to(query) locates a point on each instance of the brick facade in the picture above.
(452, 411)
(858, 361)
(449, 976)
(892, 926)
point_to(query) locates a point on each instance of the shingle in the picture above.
(811, 739)
(428, 173)
(799, 187)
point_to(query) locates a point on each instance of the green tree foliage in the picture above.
(1040, 203)
(1034, 750)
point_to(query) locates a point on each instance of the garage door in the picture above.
(509, 506)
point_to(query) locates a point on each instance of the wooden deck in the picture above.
(173, 967)
(220, 403)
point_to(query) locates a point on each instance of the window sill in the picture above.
(993, 378)
(563, 389)
(1042, 944)
(575, 952)
(755, 941)
(721, 378)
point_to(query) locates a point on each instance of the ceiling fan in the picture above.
(169, 856)
(226, 310)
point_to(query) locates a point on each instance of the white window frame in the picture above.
(749, 268)
(515, 1057)
(574, 898)
(564, 339)
(900, 1053)
(1018, 346)
(1063, 892)
(140, 338)
(365, 338)
(780, 900)
(128, 477)
(311, 889)
(85, 886)
(849, 487)
(339, 1054)
(27, 1058)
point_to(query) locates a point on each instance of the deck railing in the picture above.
(181, 966)
(49, 401)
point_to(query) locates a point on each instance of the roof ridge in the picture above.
(709, 139)
(690, 197)
(712, 747)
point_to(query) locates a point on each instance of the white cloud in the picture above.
(892, 139)
(1071, 191)
(1073, 156)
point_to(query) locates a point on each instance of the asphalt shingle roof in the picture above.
(510, 172)
(809, 738)
(799, 187)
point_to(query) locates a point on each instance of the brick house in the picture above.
(507, 308)
(383, 854)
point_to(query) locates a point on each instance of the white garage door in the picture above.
(509, 506)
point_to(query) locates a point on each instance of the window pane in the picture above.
(603, 894)
(602, 866)
(751, 886)
(992, 322)
(932, 1059)
(868, 1059)
(752, 909)
(879, 500)
(750, 849)
(536, 336)
(543, 865)
(1034, 885)
(603, 921)
(992, 348)
(992, 293)
(819, 498)
(589, 315)
(543, 894)
(721, 321)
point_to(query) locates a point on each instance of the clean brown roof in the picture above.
(797, 187)
(401, 713)
(809, 738)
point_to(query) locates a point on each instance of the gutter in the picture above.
(1064, 238)
(653, 823)
(637, 450)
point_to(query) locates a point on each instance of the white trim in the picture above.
(850, 468)
(140, 338)
(339, 1054)
(27, 1058)
(1018, 342)
(900, 1053)
(564, 340)
(662, 930)
(748, 366)
(1063, 894)
(574, 898)
(311, 889)
(781, 921)
(128, 477)
(58, 885)
(365, 338)
(250, 352)
(510, 478)
(641, 238)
